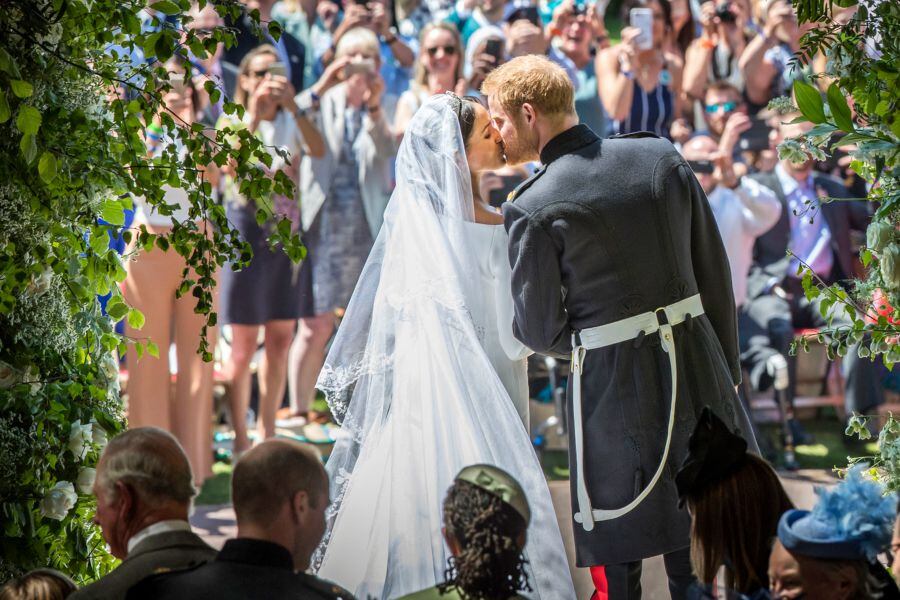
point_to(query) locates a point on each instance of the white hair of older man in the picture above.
(150, 460)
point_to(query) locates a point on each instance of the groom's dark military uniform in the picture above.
(609, 229)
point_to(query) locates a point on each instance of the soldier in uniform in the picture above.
(617, 263)
(280, 492)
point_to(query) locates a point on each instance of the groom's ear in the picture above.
(529, 114)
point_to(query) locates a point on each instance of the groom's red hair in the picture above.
(531, 79)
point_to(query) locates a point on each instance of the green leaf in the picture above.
(152, 349)
(135, 318)
(4, 108)
(47, 167)
(22, 89)
(28, 145)
(29, 119)
(167, 7)
(275, 29)
(112, 212)
(809, 101)
(840, 110)
(116, 308)
(8, 64)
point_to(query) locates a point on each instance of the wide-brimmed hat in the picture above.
(853, 520)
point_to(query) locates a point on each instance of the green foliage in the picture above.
(859, 111)
(72, 152)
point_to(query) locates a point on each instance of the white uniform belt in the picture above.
(608, 335)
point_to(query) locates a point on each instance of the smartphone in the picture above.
(642, 18)
(494, 47)
(510, 183)
(278, 68)
(365, 66)
(701, 167)
(755, 138)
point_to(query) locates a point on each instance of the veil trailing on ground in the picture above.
(414, 391)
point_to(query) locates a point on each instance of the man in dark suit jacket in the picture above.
(606, 234)
(280, 493)
(818, 234)
(291, 51)
(144, 488)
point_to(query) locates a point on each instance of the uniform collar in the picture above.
(568, 141)
(256, 552)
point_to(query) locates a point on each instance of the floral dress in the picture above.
(339, 239)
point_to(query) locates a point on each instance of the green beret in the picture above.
(499, 483)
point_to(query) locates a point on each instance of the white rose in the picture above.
(7, 376)
(85, 481)
(110, 368)
(80, 438)
(99, 435)
(59, 501)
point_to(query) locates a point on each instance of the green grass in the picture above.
(216, 489)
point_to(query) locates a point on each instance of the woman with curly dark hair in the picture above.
(486, 517)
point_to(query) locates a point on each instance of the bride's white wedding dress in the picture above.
(426, 378)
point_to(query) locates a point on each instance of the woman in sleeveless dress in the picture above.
(425, 376)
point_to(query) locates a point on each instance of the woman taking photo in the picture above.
(266, 293)
(438, 70)
(152, 280)
(640, 86)
(344, 195)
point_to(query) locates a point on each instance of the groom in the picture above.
(617, 262)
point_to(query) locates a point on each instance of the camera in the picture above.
(723, 11)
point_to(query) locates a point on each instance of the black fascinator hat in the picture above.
(714, 452)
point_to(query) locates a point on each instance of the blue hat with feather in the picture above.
(854, 520)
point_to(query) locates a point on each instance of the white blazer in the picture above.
(375, 149)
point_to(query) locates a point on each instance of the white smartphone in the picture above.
(642, 18)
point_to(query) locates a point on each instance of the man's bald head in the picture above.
(700, 147)
(270, 475)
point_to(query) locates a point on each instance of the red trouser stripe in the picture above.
(598, 575)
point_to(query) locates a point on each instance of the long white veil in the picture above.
(414, 391)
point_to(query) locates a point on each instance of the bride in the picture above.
(425, 376)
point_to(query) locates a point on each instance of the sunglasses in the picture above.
(448, 50)
(727, 107)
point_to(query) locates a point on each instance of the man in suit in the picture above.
(280, 493)
(144, 487)
(617, 262)
(818, 234)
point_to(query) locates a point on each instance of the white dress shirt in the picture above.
(743, 214)
(156, 529)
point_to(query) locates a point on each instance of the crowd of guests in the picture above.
(335, 92)
(747, 539)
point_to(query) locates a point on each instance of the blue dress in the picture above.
(651, 111)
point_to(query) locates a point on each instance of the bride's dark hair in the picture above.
(490, 565)
(464, 107)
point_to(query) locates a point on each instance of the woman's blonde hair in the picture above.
(534, 80)
(240, 94)
(421, 76)
(358, 38)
